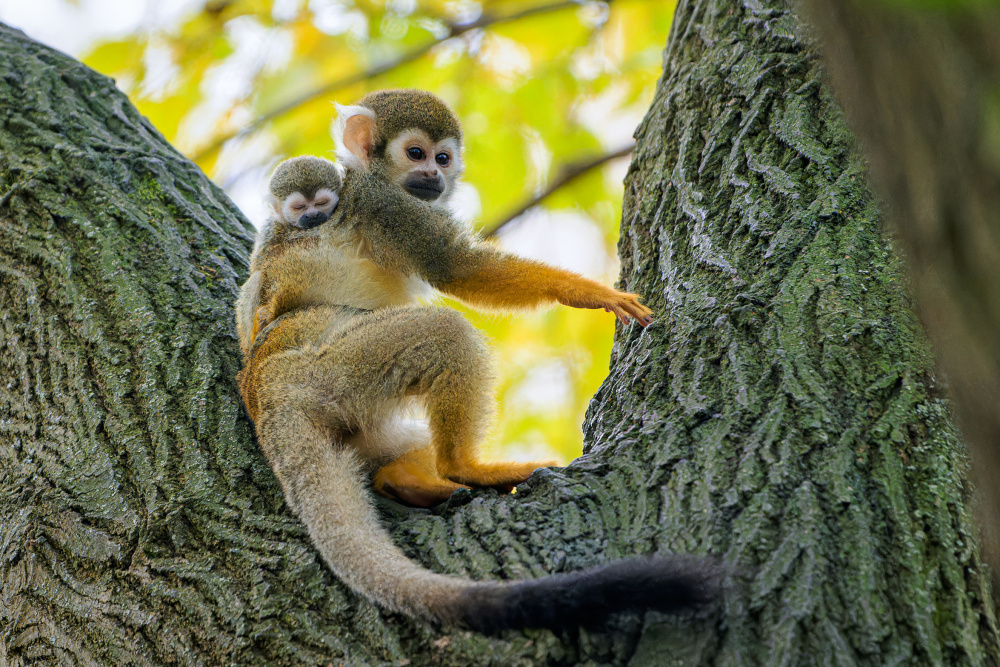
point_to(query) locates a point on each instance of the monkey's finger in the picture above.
(630, 302)
(637, 308)
(644, 321)
(621, 314)
(624, 310)
(641, 314)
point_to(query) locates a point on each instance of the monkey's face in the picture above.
(424, 168)
(308, 212)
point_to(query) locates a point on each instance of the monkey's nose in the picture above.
(310, 220)
(425, 187)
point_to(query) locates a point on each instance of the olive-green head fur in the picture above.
(303, 191)
(306, 175)
(401, 109)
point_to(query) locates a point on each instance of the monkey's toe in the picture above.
(501, 476)
(419, 497)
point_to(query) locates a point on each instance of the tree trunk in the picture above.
(922, 88)
(780, 413)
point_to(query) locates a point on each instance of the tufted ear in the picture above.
(354, 134)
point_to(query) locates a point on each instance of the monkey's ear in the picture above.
(354, 134)
(359, 135)
(272, 202)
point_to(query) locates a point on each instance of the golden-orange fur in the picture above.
(500, 281)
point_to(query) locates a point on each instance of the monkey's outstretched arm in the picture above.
(488, 277)
(406, 234)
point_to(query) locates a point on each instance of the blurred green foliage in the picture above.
(240, 84)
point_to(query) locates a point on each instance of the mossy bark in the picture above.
(781, 412)
(922, 88)
(786, 396)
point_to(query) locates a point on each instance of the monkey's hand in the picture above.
(624, 305)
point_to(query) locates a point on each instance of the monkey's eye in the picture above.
(443, 159)
(415, 153)
(299, 207)
(322, 202)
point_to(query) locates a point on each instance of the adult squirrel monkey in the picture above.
(336, 350)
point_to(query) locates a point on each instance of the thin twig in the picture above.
(566, 175)
(454, 30)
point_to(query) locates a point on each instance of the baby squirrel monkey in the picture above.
(336, 349)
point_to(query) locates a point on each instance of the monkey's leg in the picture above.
(437, 354)
(459, 391)
(458, 405)
(411, 476)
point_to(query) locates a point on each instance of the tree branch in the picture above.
(454, 30)
(567, 174)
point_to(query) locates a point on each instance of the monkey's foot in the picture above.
(412, 479)
(503, 476)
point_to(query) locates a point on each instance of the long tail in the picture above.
(326, 487)
(587, 598)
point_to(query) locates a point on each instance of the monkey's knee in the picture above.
(450, 328)
(461, 347)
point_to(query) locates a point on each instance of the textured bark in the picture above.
(785, 398)
(922, 89)
(780, 413)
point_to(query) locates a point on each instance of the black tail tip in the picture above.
(587, 598)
